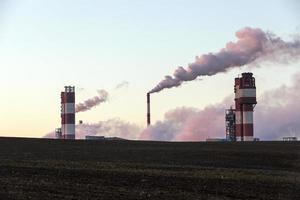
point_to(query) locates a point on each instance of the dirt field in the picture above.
(45, 169)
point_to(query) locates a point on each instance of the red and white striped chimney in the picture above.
(245, 100)
(68, 113)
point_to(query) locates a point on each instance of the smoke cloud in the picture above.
(92, 102)
(253, 44)
(278, 113)
(110, 128)
(189, 124)
(123, 84)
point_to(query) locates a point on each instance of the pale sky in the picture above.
(45, 45)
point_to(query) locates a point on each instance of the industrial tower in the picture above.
(245, 100)
(68, 113)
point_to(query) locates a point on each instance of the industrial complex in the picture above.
(238, 121)
(239, 124)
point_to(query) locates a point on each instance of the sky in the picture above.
(45, 45)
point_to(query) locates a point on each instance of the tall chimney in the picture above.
(148, 110)
(68, 113)
(245, 100)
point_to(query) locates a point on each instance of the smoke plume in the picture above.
(123, 84)
(253, 44)
(92, 102)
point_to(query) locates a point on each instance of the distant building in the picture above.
(96, 137)
(216, 140)
(288, 139)
(114, 138)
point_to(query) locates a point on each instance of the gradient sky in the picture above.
(45, 45)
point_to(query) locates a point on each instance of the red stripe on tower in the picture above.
(68, 113)
(245, 100)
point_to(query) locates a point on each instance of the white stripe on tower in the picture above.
(248, 117)
(68, 108)
(248, 92)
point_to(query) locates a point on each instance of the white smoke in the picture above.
(92, 102)
(277, 114)
(123, 84)
(253, 44)
(113, 128)
(189, 124)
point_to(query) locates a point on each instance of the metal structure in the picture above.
(148, 110)
(245, 101)
(216, 140)
(289, 139)
(230, 124)
(58, 133)
(68, 113)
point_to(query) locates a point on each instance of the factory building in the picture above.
(289, 139)
(68, 113)
(96, 137)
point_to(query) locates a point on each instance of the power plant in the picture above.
(68, 113)
(239, 121)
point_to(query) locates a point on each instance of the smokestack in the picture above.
(148, 110)
(245, 100)
(68, 113)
